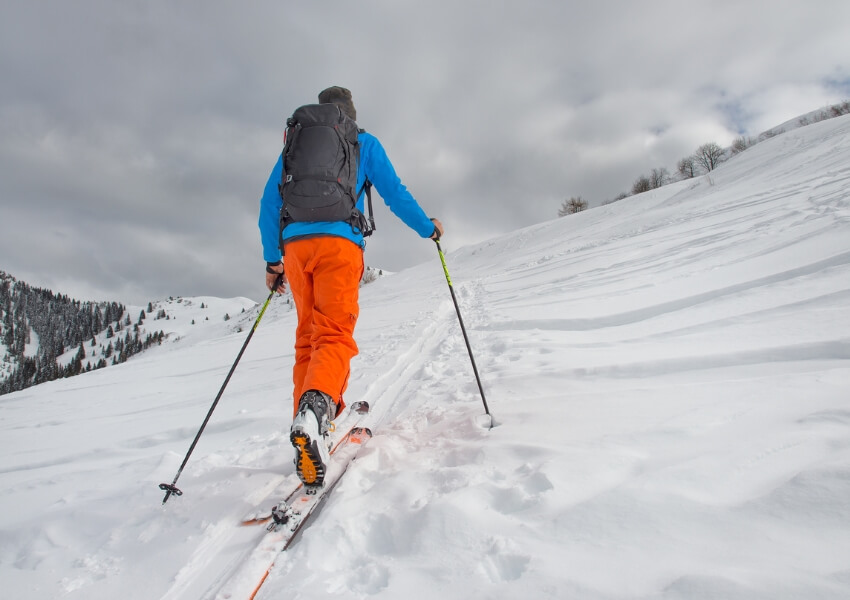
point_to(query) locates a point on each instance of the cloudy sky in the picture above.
(136, 136)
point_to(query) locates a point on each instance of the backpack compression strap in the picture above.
(367, 185)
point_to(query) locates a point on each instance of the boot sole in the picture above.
(308, 463)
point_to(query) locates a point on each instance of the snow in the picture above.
(668, 374)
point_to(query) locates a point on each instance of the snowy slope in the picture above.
(670, 376)
(193, 318)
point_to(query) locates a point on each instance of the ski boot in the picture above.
(309, 436)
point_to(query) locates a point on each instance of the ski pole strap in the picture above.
(437, 234)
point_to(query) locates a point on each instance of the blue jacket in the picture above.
(375, 165)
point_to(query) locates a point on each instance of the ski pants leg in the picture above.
(324, 277)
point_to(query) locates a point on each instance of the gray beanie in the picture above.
(342, 97)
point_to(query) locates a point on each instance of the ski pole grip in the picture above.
(436, 235)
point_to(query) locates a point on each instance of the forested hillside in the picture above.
(46, 336)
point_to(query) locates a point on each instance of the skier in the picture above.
(322, 263)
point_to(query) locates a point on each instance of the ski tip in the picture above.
(359, 435)
(361, 407)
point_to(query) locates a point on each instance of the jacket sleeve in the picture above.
(401, 202)
(269, 223)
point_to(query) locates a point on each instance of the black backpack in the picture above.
(321, 155)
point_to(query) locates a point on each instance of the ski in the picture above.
(352, 418)
(290, 516)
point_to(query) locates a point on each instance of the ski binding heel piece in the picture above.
(281, 515)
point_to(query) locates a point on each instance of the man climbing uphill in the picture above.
(312, 227)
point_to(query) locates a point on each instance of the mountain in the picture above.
(668, 374)
(45, 335)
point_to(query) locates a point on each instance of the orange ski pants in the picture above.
(324, 277)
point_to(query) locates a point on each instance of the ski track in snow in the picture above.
(669, 378)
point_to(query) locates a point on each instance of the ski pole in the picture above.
(172, 488)
(463, 330)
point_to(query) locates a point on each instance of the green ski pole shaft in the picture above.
(463, 328)
(172, 488)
